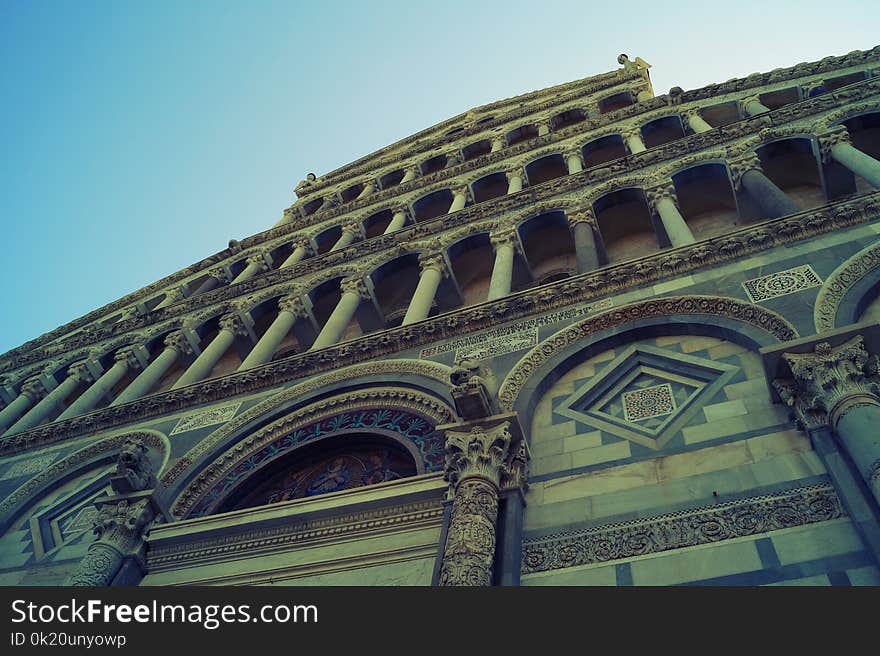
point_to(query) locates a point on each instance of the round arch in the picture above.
(842, 296)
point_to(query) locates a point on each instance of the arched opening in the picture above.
(548, 246)
(546, 168)
(279, 254)
(313, 206)
(474, 150)
(391, 179)
(433, 205)
(489, 187)
(615, 102)
(721, 114)
(472, 259)
(437, 163)
(325, 240)
(394, 284)
(833, 83)
(604, 149)
(333, 464)
(375, 224)
(780, 97)
(487, 119)
(455, 131)
(791, 165)
(522, 133)
(625, 225)
(351, 192)
(568, 117)
(706, 200)
(864, 131)
(661, 131)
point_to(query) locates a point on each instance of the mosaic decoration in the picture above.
(406, 424)
(781, 283)
(27, 467)
(512, 338)
(208, 418)
(653, 401)
(687, 528)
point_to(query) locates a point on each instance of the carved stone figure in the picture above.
(473, 389)
(134, 471)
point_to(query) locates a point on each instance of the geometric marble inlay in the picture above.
(30, 466)
(653, 401)
(781, 283)
(208, 418)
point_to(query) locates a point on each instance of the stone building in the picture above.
(586, 335)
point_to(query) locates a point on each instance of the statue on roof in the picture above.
(303, 184)
(629, 65)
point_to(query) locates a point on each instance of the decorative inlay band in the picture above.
(781, 283)
(29, 466)
(207, 418)
(688, 528)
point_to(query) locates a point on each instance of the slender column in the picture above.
(497, 144)
(696, 122)
(32, 390)
(459, 199)
(514, 181)
(504, 244)
(543, 128)
(574, 159)
(172, 296)
(838, 386)
(633, 138)
(350, 231)
(369, 188)
(747, 174)
(398, 220)
(480, 460)
(354, 290)
(302, 248)
(217, 277)
(836, 145)
(290, 308)
(176, 345)
(77, 375)
(661, 200)
(433, 269)
(126, 360)
(411, 173)
(231, 326)
(257, 263)
(752, 106)
(583, 225)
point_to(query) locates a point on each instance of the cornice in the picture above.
(585, 287)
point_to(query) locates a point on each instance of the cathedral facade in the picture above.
(587, 335)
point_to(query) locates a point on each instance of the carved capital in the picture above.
(745, 102)
(34, 389)
(515, 173)
(179, 343)
(631, 132)
(353, 228)
(832, 138)
(233, 323)
(129, 357)
(434, 261)
(830, 381)
(574, 152)
(584, 215)
(293, 304)
(478, 453)
(662, 191)
(260, 259)
(462, 190)
(80, 371)
(174, 294)
(742, 165)
(355, 286)
(507, 237)
(303, 242)
(220, 274)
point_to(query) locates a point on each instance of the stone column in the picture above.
(433, 270)
(369, 188)
(459, 199)
(77, 375)
(217, 277)
(398, 220)
(752, 106)
(411, 173)
(480, 461)
(290, 308)
(231, 326)
(543, 128)
(176, 345)
(839, 386)
(127, 359)
(172, 296)
(302, 248)
(354, 290)
(350, 231)
(514, 181)
(837, 145)
(633, 138)
(747, 174)
(661, 200)
(32, 391)
(696, 122)
(504, 244)
(497, 144)
(583, 226)
(257, 263)
(574, 160)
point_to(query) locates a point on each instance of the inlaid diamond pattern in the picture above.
(648, 402)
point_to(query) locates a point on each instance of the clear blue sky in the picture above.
(138, 138)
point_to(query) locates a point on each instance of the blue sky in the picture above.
(138, 138)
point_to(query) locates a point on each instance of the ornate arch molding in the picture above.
(842, 280)
(430, 371)
(692, 161)
(100, 452)
(770, 325)
(838, 116)
(405, 415)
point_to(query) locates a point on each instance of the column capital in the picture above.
(260, 259)
(831, 138)
(174, 294)
(583, 215)
(480, 452)
(400, 209)
(630, 131)
(353, 227)
(220, 274)
(129, 356)
(294, 305)
(504, 237)
(303, 242)
(830, 381)
(356, 286)
(462, 190)
(744, 102)
(81, 372)
(741, 165)
(499, 140)
(573, 151)
(34, 388)
(330, 200)
(233, 323)
(516, 173)
(178, 341)
(434, 261)
(689, 114)
(663, 190)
